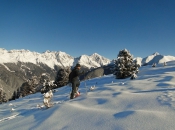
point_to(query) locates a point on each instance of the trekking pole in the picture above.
(86, 86)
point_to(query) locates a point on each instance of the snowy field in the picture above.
(146, 103)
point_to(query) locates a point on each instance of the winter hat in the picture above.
(78, 65)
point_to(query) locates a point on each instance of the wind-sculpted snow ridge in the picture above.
(145, 103)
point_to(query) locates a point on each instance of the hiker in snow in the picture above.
(74, 80)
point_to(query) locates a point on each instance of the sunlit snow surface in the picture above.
(146, 103)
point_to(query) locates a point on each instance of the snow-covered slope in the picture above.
(146, 103)
(51, 58)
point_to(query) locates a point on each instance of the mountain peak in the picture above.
(95, 54)
(47, 51)
(155, 54)
(156, 58)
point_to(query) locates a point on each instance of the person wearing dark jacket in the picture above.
(75, 80)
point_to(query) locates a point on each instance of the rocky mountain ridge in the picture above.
(51, 58)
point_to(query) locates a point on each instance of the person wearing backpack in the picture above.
(74, 80)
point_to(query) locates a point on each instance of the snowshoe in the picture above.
(77, 94)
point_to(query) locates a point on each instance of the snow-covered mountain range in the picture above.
(58, 58)
(51, 58)
(154, 58)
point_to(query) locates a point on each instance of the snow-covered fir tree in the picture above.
(47, 86)
(14, 96)
(125, 66)
(18, 93)
(0, 96)
(34, 84)
(62, 77)
(28, 87)
(46, 83)
(3, 97)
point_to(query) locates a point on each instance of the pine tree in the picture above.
(62, 77)
(47, 86)
(1, 96)
(14, 95)
(4, 98)
(29, 86)
(18, 93)
(24, 89)
(124, 65)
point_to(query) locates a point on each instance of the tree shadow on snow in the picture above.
(155, 90)
(40, 115)
(167, 78)
(116, 94)
(43, 115)
(101, 101)
(100, 89)
(163, 85)
(123, 114)
(141, 77)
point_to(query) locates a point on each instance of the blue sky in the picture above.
(87, 26)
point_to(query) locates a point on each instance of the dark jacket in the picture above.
(75, 75)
